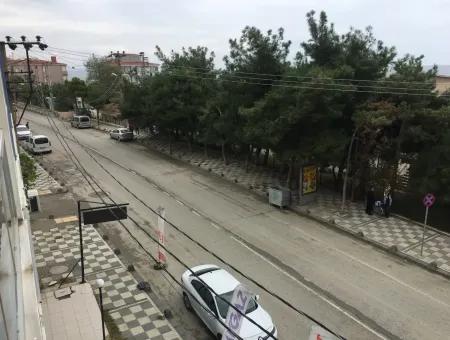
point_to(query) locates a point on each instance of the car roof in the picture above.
(39, 136)
(220, 281)
(21, 125)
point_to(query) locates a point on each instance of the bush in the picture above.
(29, 173)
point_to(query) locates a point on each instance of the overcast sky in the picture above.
(99, 26)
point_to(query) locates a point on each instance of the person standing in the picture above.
(387, 203)
(370, 200)
(27, 125)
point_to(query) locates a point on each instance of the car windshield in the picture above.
(123, 130)
(223, 306)
(84, 119)
(42, 140)
(22, 128)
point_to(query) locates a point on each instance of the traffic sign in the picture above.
(429, 200)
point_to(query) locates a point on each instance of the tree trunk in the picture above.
(205, 149)
(347, 170)
(396, 161)
(289, 174)
(170, 143)
(266, 157)
(248, 157)
(189, 142)
(224, 156)
(257, 154)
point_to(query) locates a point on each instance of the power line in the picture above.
(206, 249)
(282, 81)
(151, 237)
(67, 51)
(245, 82)
(306, 77)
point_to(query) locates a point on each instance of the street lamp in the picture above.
(100, 284)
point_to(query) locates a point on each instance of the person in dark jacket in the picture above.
(370, 200)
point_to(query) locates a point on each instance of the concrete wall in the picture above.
(442, 84)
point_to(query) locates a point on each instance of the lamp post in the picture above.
(100, 284)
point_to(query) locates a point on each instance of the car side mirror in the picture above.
(257, 297)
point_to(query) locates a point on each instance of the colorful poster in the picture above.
(309, 179)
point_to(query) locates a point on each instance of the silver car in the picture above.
(121, 134)
(23, 132)
(224, 284)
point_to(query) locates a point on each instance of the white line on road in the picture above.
(379, 271)
(323, 298)
(195, 213)
(179, 202)
(215, 226)
(167, 194)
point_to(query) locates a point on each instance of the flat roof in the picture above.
(74, 317)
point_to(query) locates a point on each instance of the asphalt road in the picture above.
(354, 289)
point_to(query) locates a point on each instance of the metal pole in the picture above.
(424, 231)
(80, 230)
(101, 312)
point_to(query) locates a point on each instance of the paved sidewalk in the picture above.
(394, 233)
(56, 245)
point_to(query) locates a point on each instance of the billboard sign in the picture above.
(309, 179)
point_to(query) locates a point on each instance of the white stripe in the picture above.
(323, 298)
(215, 226)
(179, 202)
(195, 213)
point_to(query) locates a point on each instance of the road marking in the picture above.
(167, 194)
(312, 291)
(179, 202)
(195, 213)
(215, 226)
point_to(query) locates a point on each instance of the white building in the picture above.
(136, 66)
(20, 308)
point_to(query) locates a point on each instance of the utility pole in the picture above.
(27, 46)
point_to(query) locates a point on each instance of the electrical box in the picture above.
(33, 198)
(281, 197)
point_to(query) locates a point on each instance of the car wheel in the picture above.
(219, 336)
(187, 302)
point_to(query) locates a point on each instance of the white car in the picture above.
(121, 134)
(223, 283)
(22, 132)
(38, 144)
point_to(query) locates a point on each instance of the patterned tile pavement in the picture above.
(436, 249)
(132, 310)
(142, 321)
(44, 182)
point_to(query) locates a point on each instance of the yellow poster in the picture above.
(309, 180)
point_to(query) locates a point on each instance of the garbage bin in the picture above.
(281, 197)
(33, 198)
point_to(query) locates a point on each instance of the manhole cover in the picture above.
(56, 270)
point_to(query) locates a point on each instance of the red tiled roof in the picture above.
(33, 61)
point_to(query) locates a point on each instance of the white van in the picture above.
(81, 122)
(38, 144)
